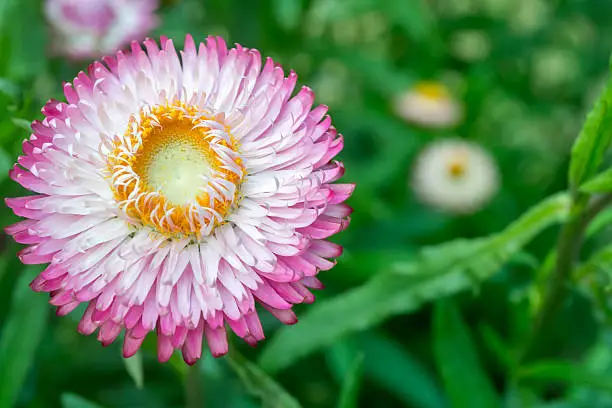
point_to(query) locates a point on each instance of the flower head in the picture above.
(455, 176)
(92, 28)
(175, 193)
(428, 104)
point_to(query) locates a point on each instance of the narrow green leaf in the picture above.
(259, 384)
(149, 347)
(599, 261)
(465, 381)
(397, 371)
(20, 338)
(517, 396)
(498, 346)
(133, 366)
(361, 265)
(349, 395)
(525, 259)
(602, 220)
(404, 287)
(595, 278)
(23, 124)
(74, 401)
(593, 140)
(601, 183)
(567, 372)
(340, 356)
(391, 366)
(178, 364)
(210, 366)
(288, 13)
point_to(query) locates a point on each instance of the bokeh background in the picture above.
(525, 73)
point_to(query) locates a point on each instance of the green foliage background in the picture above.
(424, 309)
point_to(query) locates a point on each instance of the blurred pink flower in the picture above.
(83, 29)
(175, 193)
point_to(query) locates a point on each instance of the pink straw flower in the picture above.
(175, 193)
(83, 29)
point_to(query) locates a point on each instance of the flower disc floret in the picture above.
(176, 169)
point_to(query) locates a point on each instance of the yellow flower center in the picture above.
(176, 169)
(457, 166)
(432, 90)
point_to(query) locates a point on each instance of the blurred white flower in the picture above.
(84, 29)
(455, 176)
(429, 104)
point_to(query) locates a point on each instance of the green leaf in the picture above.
(396, 370)
(465, 381)
(601, 183)
(359, 266)
(176, 362)
(389, 365)
(599, 261)
(567, 372)
(210, 366)
(133, 366)
(595, 279)
(593, 140)
(517, 396)
(20, 338)
(23, 124)
(502, 350)
(525, 259)
(259, 384)
(74, 401)
(602, 220)
(288, 13)
(349, 395)
(340, 356)
(403, 287)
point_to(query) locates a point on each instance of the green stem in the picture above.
(568, 249)
(194, 392)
